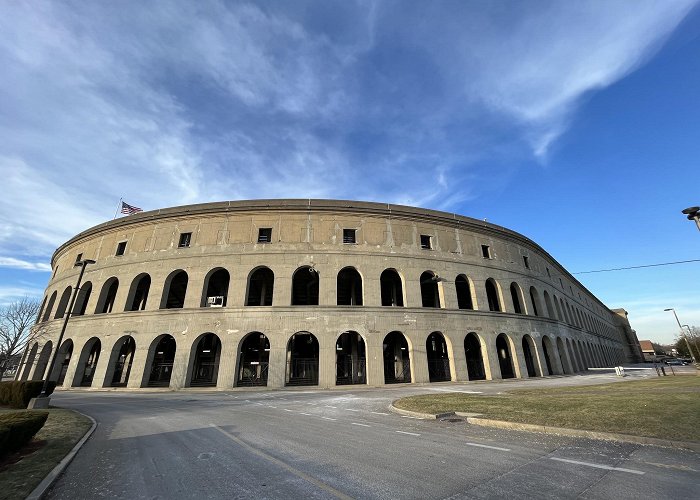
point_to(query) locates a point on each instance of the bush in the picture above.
(17, 394)
(18, 428)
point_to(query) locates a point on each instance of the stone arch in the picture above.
(63, 357)
(547, 352)
(87, 363)
(81, 300)
(437, 351)
(260, 288)
(302, 359)
(305, 284)
(215, 289)
(160, 361)
(120, 360)
(430, 289)
(205, 354)
(43, 361)
(536, 304)
(466, 294)
(105, 302)
(253, 360)
(391, 285)
(474, 355)
(29, 362)
(49, 307)
(350, 359)
(349, 287)
(530, 355)
(516, 294)
(138, 293)
(493, 294)
(397, 358)
(63, 303)
(505, 356)
(174, 290)
(560, 317)
(572, 356)
(565, 363)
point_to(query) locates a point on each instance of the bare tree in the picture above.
(16, 320)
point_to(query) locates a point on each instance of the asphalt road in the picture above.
(347, 444)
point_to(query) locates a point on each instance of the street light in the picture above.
(83, 264)
(693, 213)
(692, 356)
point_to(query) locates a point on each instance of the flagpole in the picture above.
(117, 210)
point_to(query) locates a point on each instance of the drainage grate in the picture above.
(452, 420)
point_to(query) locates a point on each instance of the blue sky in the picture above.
(574, 123)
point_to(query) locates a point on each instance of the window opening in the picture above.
(185, 239)
(485, 251)
(265, 235)
(349, 236)
(426, 242)
(78, 258)
(526, 262)
(121, 248)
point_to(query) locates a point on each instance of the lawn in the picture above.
(665, 408)
(62, 430)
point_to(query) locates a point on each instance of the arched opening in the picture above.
(105, 303)
(438, 358)
(41, 309)
(215, 290)
(81, 301)
(517, 295)
(559, 315)
(63, 357)
(547, 348)
(464, 292)
(261, 284)
(254, 360)
(575, 366)
(528, 348)
(87, 363)
(397, 360)
(207, 352)
(162, 353)
(305, 287)
(29, 363)
(349, 287)
(63, 303)
(492, 295)
(429, 292)
(391, 288)
(174, 290)
(350, 360)
(302, 359)
(43, 361)
(548, 303)
(474, 357)
(49, 307)
(505, 358)
(138, 293)
(535, 299)
(122, 357)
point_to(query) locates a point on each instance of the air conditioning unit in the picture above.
(217, 301)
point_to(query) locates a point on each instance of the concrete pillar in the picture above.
(518, 357)
(419, 359)
(278, 365)
(458, 361)
(326, 360)
(228, 361)
(375, 360)
(184, 351)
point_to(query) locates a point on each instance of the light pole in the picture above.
(692, 355)
(83, 264)
(693, 213)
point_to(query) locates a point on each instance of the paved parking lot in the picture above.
(347, 444)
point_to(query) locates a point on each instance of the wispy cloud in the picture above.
(173, 103)
(23, 264)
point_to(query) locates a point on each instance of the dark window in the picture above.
(349, 236)
(548, 273)
(54, 272)
(185, 239)
(430, 295)
(78, 258)
(265, 235)
(526, 262)
(485, 251)
(426, 242)
(391, 288)
(121, 248)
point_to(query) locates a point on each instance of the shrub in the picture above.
(18, 428)
(17, 394)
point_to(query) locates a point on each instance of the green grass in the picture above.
(62, 430)
(665, 408)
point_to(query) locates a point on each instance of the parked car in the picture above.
(674, 362)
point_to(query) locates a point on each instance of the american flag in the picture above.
(128, 209)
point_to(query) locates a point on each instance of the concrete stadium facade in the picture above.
(314, 292)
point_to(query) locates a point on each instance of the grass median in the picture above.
(24, 470)
(664, 408)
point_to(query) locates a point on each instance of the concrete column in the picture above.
(375, 360)
(183, 352)
(278, 365)
(372, 294)
(449, 293)
(419, 359)
(282, 294)
(141, 366)
(103, 364)
(518, 356)
(228, 361)
(327, 283)
(195, 284)
(490, 354)
(458, 361)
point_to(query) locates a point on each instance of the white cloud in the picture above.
(23, 264)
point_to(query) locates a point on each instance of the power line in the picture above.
(638, 267)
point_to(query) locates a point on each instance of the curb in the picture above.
(474, 419)
(52, 476)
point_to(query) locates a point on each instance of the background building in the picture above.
(315, 292)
